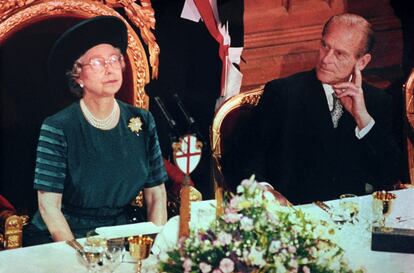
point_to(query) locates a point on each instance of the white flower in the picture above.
(274, 246)
(280, 268)
(256, 257)
(246, 183)
(293, 263)
(268, 196)
(163, 256)
(232, 217)
(246, 223)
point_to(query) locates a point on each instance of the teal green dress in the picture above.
(99, 172)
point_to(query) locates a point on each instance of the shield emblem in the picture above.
(187, 153)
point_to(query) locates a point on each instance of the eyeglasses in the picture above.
(98, 64)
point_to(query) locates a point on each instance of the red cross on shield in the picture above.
(187, 153)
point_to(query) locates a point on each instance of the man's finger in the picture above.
(343, 85)
(358, 76)
(348, 92)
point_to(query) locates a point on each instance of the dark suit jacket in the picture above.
(291, 143)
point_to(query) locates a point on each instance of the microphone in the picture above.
(190, 120)
(174, 135)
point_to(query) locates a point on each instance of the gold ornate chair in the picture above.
(32, 26)
(11, 225)
(409, 124)
(234, 111)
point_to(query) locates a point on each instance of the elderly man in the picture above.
(323, 132)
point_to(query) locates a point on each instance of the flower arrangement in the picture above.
(256, 234)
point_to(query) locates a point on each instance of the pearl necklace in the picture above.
(103, 124)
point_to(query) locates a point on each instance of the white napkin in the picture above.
(128, 230)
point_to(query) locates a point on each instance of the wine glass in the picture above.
(139, 247)
(349, 205)
(93, 250)
(382, 203)
(114, 253)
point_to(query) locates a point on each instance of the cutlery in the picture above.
(76, 245)
(323, 206)
(336, 218)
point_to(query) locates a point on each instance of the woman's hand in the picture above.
(156, 202)
(50, 204)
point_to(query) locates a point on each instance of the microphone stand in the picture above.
(193, 128)
(174, 134)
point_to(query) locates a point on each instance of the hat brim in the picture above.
(74, 42)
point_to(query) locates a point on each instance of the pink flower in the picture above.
(306, 269)
(226, 265)
(234, 202)
(181, 241)
(217, 271)
(291, 249)
(204, 267)
(187, 265)
(224, 238)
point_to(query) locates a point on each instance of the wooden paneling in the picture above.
(388, 47)
(282, 37)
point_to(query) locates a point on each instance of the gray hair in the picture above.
(355, 21)
(72, 76)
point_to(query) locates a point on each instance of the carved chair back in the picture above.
(409, 124)
(228, 118)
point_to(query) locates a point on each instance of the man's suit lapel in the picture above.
(316, 112)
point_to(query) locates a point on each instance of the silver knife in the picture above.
(76, 245)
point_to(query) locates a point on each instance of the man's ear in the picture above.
(363, 61)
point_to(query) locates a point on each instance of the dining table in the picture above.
(353, 235)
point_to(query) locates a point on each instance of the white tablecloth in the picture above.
(355, 239)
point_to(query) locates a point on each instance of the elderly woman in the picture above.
(94, 156)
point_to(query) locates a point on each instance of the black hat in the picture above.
(80, 38)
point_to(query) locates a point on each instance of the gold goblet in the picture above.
(139, 248)
(383, 203)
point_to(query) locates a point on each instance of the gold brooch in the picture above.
(135, 125)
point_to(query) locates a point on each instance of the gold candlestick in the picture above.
(139, 248)
(185, 216)
(219, 200)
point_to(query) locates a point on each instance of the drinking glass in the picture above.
(94, 249)
(382, 204)
(114, 253)
(349, 206)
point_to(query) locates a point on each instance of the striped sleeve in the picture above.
(51, 158)
(157, 174)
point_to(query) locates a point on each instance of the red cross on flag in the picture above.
(187, 153)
